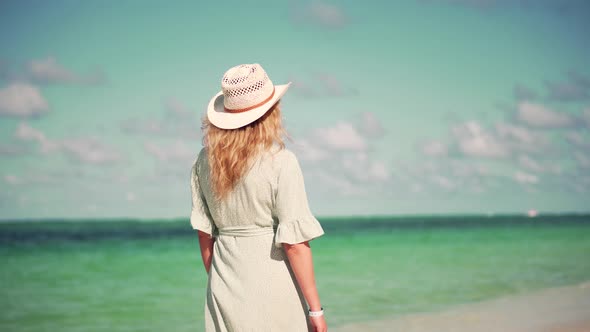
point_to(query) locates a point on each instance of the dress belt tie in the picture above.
(246, 230)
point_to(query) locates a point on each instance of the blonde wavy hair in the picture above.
(229, 151)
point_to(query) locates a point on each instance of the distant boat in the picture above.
(532, 213)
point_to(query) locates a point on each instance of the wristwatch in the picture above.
(316, 313)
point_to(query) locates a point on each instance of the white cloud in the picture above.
(327, 14)
(342, 185)
(22, 100)
(586, 116)
(47, 70)
(466, 169)
(51, 175)
(177, 121)
(25, 132)
(342, 136)
(522, 92)
(130, 196)
(177, 109)
(518, 133)
(566, 91)
(339, 156)
(535, 166)
(333, 86)
(355, 168)
(430, 176)
(416, 188)
(310, 152)
(526, 151)
(143, 126)
(473, 140)
(11, 179)
(537, 115)
(179, 150)
(319, 13)
(370, 126)
(84, 149)
(434, 148)
(525, 178)
(529, 163)
(518, 138)
(318, 85)
(575, 88)
(378, 171)
(359, 167)
(89, 150)
(582, 159)
(578, 138)
(443, 182)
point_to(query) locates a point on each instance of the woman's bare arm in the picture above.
(206, 244)
(301, 260)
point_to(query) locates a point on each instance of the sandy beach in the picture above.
(560, 309)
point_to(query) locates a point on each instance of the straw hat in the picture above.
(246, 94)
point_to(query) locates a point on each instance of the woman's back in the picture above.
(250, 203)
(271, 193)
(250, 281)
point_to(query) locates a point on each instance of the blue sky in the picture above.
(396, 107)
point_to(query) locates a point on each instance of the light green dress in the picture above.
(251, 286)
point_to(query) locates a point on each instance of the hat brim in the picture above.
(225, 120)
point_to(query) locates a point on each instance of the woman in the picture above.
(250, 208)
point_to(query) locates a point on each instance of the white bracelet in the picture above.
(316, 313)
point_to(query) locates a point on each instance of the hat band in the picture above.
(239, 110)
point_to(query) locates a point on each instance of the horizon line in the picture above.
(377, 216)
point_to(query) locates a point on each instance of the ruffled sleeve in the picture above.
(296, 222)
(200, 218)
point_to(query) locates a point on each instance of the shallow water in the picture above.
(149, 277)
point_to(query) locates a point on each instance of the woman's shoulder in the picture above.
(199, 159)
(202, 153)
(284, 161)
(282, 155)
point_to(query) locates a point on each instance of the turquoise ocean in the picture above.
(133, 275)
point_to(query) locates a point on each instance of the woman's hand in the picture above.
(301, 261)
(319, 323)
(206, 243)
